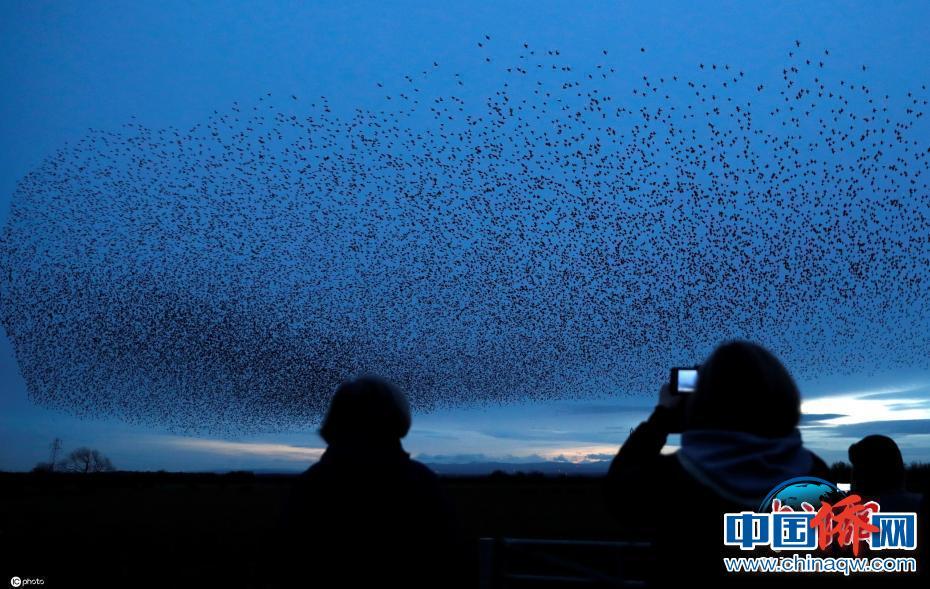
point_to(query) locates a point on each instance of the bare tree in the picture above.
(86, 460)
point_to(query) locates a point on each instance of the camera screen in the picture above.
(687, 381)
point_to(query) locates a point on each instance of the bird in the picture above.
(553, 234)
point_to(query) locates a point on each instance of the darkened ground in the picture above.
(176, 529)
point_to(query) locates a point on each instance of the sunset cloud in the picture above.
(253, 449)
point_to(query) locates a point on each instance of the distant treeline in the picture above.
(918, 476)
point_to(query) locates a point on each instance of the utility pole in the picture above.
(56, 448)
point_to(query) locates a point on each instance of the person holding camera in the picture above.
(739, 439)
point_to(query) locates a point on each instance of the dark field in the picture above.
(132, 529)
(174, 529)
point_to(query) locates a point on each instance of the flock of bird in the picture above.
(539, 233)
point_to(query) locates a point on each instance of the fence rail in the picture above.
(543, 562)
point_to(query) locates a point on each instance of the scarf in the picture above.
(740, 466)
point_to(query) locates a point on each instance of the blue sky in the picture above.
(67, 67)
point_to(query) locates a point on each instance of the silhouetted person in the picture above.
(878, 473)
(739, 440)
(366, 515)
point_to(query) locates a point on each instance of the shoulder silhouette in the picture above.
(366, 514)
(878, 473)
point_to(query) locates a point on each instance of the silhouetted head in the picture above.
(744, 387)
(367, 410)
(877, 465)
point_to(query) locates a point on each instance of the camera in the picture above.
(683, 381)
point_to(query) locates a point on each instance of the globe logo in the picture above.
(794, 492)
